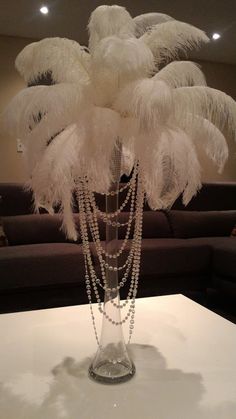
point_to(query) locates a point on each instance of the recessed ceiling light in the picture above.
(44, 10)
(215, 36)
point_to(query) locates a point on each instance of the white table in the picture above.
(184, 356)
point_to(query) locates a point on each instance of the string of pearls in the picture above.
(85, 235)
(93, 224)
(94, 228)
(89, 224)
(106, 217)
(129, 224)
(112, 193)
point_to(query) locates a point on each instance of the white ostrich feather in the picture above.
(127, 160)
(192, 174)
(145, 149)
(148, 100)
(210, 103)
(115, 63)
(181, 73)
(147, 20)
(43, 180)
(62, 177)
(93, 139)
(167, 39)
(57, 105)
(186, 171)
(15, 119)
(209, 138)
(108, 21)
(125, 57)
(171, 169)
(99, 130)
(53, 179)
(215, 145)
(64, 58)
(129, 130)
(34, 146)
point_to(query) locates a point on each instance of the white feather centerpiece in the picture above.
(52, 55)
(90, 115)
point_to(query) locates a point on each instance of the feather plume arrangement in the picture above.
(181, 73)
(147, 20)
(207, 102)
(81, 101)
(148, 100)
(166, 40)
(107, 21)
(115, 63)
(53, 54)
(53, 106)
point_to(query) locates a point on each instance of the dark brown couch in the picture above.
(183, 251)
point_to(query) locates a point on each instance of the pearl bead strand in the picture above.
(88, 219)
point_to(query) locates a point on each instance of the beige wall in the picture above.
(11, 163)
(220, 76)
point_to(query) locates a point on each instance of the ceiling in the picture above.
(69, 19)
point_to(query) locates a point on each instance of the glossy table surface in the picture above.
(185, 358)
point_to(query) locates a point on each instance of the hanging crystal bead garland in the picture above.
(99, 251)
(112, 363)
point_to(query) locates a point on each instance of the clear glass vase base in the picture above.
(108, 372)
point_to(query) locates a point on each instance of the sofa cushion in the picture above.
(223, 255)
(212, 196)
(165, 257)
(156, 225)
(45, 228)
(186, 224)
(225, 287)
(168, 257)
(15, 200)
(168, 266)
(34, 228)
(39, 265)
(224, 259)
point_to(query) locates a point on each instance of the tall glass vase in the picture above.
(112, 363)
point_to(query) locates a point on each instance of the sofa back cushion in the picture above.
(156, 225)
(213, 196)
(187, 224)
(34, 228)
(45, 228)
(15, 200)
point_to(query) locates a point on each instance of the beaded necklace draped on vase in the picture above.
(112, 362)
